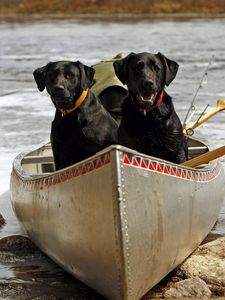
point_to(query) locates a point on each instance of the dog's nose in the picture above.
(148, 83)
(59, 88)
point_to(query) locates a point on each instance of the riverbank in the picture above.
(117, 18)
(126, 18)
(105, 7)
(113, 9)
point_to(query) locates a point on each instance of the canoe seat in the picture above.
(38, 164)
(35, 159)
(196, 151)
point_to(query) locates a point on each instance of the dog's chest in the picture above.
(72, 132)
(148, 134)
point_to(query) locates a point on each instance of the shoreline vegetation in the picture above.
(111, 9)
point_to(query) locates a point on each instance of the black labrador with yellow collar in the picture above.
(149, 122)
(81, 126)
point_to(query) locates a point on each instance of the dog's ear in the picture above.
(120, 67)
(40, 76)
(86, 75)
(171, 68)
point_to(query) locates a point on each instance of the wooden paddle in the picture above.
(205, 158)
(219, 107)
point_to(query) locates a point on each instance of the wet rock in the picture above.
(2, 221)
(17, 248)
(22, 291)
(157, 292)
(17, 243)
(207, 262)
(192, 288)
(13, 291)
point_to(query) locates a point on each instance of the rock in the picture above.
(192, 288)
(17, 243)
(2, 221)
(17, 248)
(207, 262)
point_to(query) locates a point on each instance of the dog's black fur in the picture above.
(89, 128)
(148, 126)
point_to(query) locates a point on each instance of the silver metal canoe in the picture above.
(119, 221)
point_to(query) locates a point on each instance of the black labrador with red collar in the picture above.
(149, 122)
(81, 126)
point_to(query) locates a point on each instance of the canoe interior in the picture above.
(40, 161)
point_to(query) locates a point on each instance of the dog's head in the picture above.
(146, 75)
(64, 81)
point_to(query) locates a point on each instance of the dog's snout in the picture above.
(148, 83)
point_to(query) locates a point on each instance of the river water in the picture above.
(26, 113)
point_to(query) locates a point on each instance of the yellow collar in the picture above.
(79, 101)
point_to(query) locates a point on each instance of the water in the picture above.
(26, 114)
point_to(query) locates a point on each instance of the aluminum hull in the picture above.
(119, 221)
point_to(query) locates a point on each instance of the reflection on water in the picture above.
(37, 277)
(12, 226)
(26, 114)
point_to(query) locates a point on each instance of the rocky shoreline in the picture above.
(2, 221)
(35, 275)
(201, 276)
(27, 273)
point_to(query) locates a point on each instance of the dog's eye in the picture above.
(69, 75)
(140, 65)
(155, 67)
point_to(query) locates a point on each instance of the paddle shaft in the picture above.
(205, 158)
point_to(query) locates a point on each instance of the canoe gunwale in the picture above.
(18, 162)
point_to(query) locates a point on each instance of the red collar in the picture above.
(147, 109)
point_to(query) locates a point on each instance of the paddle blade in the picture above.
(219, 107)
(220, 104)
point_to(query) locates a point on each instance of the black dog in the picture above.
(149, 123)
(81, 126)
